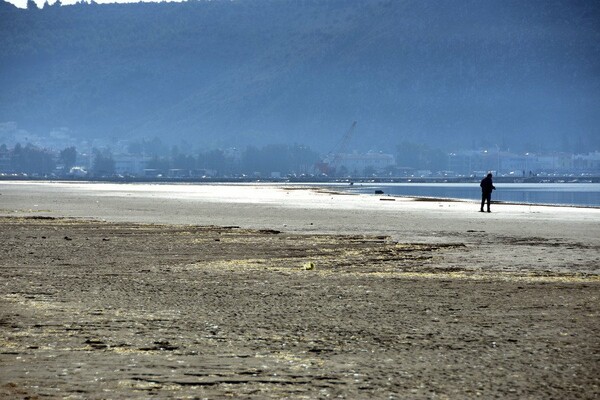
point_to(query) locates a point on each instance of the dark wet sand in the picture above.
(97, 310)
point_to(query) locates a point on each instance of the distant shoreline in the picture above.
(334, 186)
(315, 179)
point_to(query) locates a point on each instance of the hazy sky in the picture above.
(23, 3)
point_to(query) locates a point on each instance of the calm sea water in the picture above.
(573, 194)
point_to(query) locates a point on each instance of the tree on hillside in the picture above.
(183, 161)
(278, 158)
(103, 164)
(161, 164)
(32, 160)
(47, 5)
(68, 157)
(217, 161)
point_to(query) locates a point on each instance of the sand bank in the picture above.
(513, 237)
(163, 296)
(277, 205)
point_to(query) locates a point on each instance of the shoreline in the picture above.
(326, 187)
(514, 203)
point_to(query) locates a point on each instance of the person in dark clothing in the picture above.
(487, 186)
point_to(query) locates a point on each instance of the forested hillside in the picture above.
(217, 73)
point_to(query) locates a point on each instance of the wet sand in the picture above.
(171, 291)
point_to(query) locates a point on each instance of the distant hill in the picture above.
(217, 73)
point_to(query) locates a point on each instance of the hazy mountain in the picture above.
(518, 74)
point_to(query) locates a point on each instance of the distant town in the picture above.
(153, 160)
(60, 155)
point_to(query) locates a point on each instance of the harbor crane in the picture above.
(332, 161)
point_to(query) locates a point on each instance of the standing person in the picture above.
(486, 191)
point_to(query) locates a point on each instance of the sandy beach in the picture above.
(279, 291)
